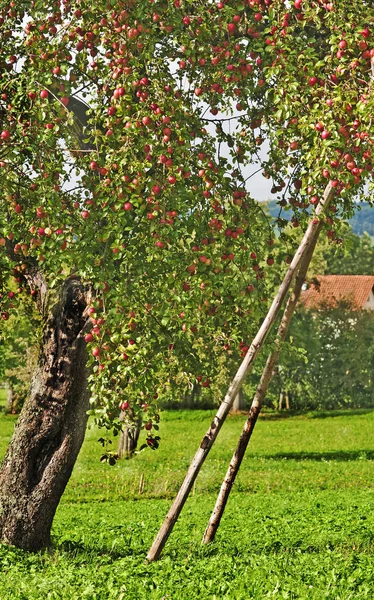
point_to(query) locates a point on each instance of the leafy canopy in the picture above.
(125, 130)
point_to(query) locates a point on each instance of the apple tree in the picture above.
(125, 211)
(134, 235)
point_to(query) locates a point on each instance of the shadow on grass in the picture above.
(315, 414)
(323, 414)
(80, 550)
(81, 553)
(340, 455)
(106, 555)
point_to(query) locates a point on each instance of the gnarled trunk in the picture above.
(50, 429)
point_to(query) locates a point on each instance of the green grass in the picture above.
(299, 524)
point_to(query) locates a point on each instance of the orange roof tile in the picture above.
(330, 289)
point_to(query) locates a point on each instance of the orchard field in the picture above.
(299, 523)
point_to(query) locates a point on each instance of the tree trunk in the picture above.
(238, 404)
(306, 244)
(10, 401)
(128, 439)
(193, 397)
(50, 429)
(258, 399)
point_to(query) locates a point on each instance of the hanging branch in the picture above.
(307, 242)
(259, 396)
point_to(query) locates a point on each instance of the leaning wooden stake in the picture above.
(259, 396)
(308, 240)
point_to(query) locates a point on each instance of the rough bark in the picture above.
(50, 429)
(307, 242)
(258, 399)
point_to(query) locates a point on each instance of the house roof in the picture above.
(330, 289)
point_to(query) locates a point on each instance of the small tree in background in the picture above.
(333, 367)
(355, 258)
(331, 347)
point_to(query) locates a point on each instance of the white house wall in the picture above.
(370, 302)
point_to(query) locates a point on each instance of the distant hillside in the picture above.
(362, 222)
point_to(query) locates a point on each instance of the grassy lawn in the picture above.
(299, 524)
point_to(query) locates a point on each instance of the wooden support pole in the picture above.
(307, 242)
(258, 399)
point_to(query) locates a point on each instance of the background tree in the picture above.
(356, 257)
(333, 367)
(319, 369)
